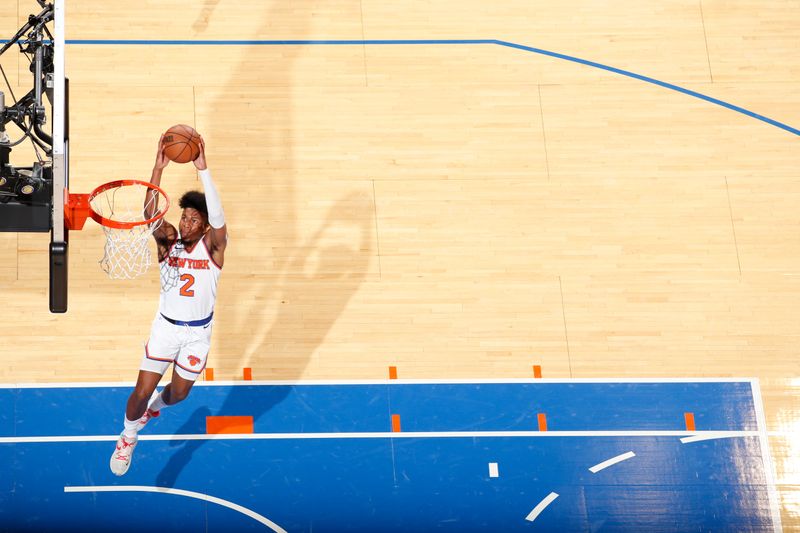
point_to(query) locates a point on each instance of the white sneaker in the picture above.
(148, 414)
(121, 458)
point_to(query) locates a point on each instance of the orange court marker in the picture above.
(537, 371)
(689, 418)
(229, 424)
(542, 421)
(248, 374)
(209, 374)
(395, 423)
(392, 372)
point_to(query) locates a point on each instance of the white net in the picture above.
(170, 273)
(127, 251)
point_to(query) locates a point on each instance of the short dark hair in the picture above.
(195, 200)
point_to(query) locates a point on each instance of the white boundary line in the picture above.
(711, 435)
(769, 473)
(611, 462)
(371, 435)
(178, 492)
(540, 506)
(385, 382)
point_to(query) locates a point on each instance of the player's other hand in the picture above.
(161, 159)
(200, 160)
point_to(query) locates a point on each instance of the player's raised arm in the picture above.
(218, 234)
(151, 198)
(165, 231)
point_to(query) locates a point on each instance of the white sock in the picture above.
(130, 428)
(157, 404)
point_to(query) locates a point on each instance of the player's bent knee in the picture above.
(178, 394)
(141, 395)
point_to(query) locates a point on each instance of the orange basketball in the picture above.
(181, 143)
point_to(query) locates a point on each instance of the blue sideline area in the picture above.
(322, 458)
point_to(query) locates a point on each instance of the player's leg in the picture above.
(146, 384)
(159, 352)
(134, 413)
(178, 389)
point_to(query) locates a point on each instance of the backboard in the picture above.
(59, 236)
(32, 196)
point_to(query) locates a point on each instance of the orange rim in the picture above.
(110, 223)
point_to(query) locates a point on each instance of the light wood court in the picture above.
(454, 210)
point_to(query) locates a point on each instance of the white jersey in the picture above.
(193, 296)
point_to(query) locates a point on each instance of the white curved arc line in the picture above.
(614, 460)
(540, 506)
(178, 492)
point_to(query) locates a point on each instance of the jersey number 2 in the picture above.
(186, 289)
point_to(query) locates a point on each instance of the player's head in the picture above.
(194, 217)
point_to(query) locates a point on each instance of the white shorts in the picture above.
(186, 346)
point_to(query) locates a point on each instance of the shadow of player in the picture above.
(327, 268)
(177, 462)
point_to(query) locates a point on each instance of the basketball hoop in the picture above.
(119, 206)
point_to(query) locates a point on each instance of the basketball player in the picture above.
(191, 254)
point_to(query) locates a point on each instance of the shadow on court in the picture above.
(338, 270)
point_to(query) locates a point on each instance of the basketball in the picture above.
(181, 143)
